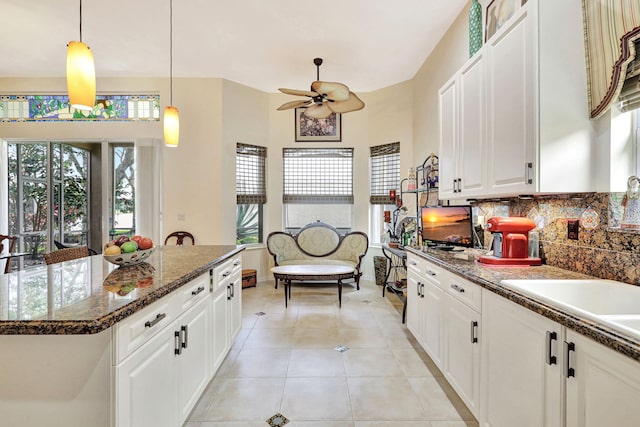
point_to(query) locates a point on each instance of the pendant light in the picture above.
(171, 119)
(81, 74)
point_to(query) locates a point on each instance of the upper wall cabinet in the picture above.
(538, 135)
(462, 131)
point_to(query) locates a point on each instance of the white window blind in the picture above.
(250, 174)
(318, 175)
(384, 167)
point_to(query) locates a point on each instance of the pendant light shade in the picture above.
(171, 119)
(171, 126)
(81, 76)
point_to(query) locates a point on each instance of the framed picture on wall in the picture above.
(499, 12)
(310, 129)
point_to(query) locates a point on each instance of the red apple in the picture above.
(145, 243)
(136, 238)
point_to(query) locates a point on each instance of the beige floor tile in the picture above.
(269, 338)
(316, 320)
(240, 339)
(360, 318)
(316, 363)
(392, 424)
(234, 424)
(320, 424)
(434, 400)
(315, 338)
(371, 362)
(362, 338)
(246, 399)
(316, 399)
(384, 399)
(454, 424)
(281, 320)
(411, 364)
(258, 363)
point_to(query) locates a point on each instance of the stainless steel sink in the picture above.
(612, 303)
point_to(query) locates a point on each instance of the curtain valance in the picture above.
(611, 28)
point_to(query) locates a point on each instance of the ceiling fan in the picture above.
(326, 97)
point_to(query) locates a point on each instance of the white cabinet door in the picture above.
(521, 372)
(220, 342)
(511, 115)
(604, 389)
(432, 318)
(448, 161)
(461, 364)
(194, 359)
(235, 306)
(147, 385)
(414, 305)
(472, 129)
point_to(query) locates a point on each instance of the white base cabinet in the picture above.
(603, 387)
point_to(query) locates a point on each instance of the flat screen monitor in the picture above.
(447, 226)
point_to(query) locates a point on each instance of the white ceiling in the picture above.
(264, 44)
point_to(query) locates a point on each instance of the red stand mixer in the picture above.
(510, 242)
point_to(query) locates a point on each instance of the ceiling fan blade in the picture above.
(294, 104)
(318, 111)
(352, 104)
(298, 92)
(334, 91)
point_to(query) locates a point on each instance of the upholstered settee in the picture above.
(319, 243)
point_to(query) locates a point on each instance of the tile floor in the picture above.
(285, 361)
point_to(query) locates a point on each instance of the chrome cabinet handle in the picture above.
(184, 331)
(413, 262)
(457, 288)
(178, 344)
(418, 288)
(237, 263)
(431, 273)
(551, 358)
(421, 290)
(152, 323)
(228, 292)
(226, 273)
(197, 291)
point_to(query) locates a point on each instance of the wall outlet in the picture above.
(573, 225)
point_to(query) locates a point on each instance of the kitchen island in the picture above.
(84, 343)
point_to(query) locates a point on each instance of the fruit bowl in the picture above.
(130, 258)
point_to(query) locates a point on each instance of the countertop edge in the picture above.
(88, 327)
(596, 331)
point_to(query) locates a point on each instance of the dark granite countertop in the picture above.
(465, 265)
(89, 295)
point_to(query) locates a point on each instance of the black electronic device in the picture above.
(444, 227)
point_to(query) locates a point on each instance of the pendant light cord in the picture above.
(80, 21)
(170, 51)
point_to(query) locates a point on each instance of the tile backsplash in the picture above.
(602, 250)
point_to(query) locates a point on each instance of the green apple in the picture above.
(128, 247)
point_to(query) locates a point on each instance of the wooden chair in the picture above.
(63, 246)
(180, 235)
(12, 240)
(67, 254)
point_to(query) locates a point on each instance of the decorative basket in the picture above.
(131, 258)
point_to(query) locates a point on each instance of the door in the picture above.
(194, 360)
(603, 388)
(433, 309)
(448, 161)
(461, 330)
(147, 385)
(414, 306)
(219, 326)
(510, 110)
(521, 366)
(235, 306)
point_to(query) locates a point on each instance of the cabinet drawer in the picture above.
(191, 293)
(464, 291)
(222, 272)
(140, 327)
(425, 269)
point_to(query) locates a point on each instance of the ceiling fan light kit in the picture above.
(326, 97)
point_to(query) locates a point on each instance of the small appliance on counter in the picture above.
(510, 242)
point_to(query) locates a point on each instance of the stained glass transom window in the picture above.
(56, 108)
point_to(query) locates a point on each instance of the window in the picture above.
(317, 186)
(251, 192)
(384, 169)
